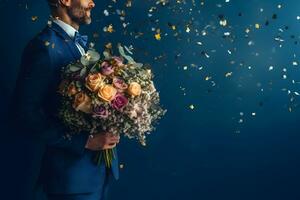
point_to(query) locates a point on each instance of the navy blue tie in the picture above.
(81, 39)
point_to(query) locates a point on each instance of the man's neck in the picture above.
(67, 20)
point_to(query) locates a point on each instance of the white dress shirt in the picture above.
(70, 30)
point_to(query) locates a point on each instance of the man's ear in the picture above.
(66, 3)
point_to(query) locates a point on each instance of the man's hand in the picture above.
(102, 141)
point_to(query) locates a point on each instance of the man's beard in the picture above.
(78, 14)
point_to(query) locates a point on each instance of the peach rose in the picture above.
(72, 90)
(82, 102)
(134, 89)
(93, 82)
(107, 92)
(62, 87)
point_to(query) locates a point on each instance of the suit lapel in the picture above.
(71, 44)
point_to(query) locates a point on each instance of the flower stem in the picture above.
(106, 155)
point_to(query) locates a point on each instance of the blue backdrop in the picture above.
(228, 74)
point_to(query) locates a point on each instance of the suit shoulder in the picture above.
(44, 40)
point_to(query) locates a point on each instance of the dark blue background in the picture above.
(204, 153)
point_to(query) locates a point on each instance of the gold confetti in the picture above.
(157, 36)
(257, 26)
(34, 18)
(121, 166)
(192, 107)
(47, 43)
(110, 28)
(108, 45)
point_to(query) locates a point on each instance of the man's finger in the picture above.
(113, 140)
(110, 146)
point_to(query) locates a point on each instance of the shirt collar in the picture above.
(70, 30)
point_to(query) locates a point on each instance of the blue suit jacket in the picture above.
(67, 166)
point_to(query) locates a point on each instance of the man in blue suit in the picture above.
(68, 171)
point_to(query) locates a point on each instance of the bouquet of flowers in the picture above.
(113, 94)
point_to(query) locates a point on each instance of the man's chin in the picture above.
(88, 21)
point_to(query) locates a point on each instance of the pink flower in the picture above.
(106, 68)
(119, 84)
(118, 61)
(100, 111)
(119, 102)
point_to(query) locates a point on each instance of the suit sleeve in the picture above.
(33, 88)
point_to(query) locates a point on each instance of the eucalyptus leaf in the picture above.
(84, 61)
(95, 56)
(94, 68)
(83, 71)
(128, 50)
(74, 68)
(78, 84)
(106, 55)
(122, 52)
(91, 57)
(138, 65)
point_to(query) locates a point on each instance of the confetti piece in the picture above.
(109, 29)
(208, 78)
(157, 36)
(192, 107)
(284, 76)
(271, 68)
(47, 43)
(187, 29)
(228, 74)
(223, 22)
(34, 18)
(227, 33)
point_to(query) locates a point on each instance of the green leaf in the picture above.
(95, 56)
(91, 57)
(122, 52)
(83, 71)
(74, 68)
(106, 55)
